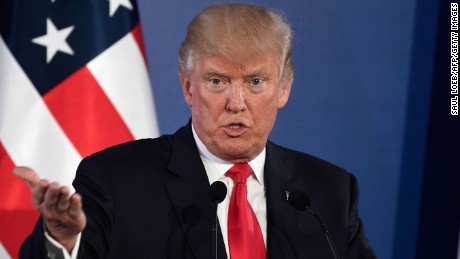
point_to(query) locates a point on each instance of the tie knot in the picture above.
(240, 172)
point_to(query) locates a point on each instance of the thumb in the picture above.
(27, 175)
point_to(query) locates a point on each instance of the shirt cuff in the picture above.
(55, 245)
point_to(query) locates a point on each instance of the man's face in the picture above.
(234, 104)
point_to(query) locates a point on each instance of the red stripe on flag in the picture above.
(86, 114)
(137, 34)
(17, 214)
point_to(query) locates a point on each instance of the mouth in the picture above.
(235, 129)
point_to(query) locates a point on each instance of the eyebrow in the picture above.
(214, 73)
(258, 73)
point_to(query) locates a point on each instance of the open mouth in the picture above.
(235, 130)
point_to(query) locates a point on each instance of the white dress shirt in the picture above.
(216, 169)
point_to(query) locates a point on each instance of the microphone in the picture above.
(300, 201)
(217, 193)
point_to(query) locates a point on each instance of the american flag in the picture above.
(73, 80)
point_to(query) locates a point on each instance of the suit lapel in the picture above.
(291, 233)
(276, 177)
(189, 193)
(285, 225)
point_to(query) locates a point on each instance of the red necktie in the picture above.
(245, 238)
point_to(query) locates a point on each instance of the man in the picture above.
(149, 198)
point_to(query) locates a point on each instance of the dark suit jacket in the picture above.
(149, 199)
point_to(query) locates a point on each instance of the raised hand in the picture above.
(62, 212)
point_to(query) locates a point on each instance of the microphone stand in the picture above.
(301, 202)
(326, 232)
(217, 193)
(214, 231)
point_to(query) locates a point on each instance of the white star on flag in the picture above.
(114, 4)
(54, 40)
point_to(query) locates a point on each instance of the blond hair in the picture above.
(238, 31)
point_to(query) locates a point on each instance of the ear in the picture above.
(186, 85)
(284, 92)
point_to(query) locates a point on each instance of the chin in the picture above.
(238, 154)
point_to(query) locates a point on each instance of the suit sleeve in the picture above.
(358, 244)
(34, 245)
(92, 182)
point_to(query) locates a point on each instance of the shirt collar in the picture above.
(220, 167)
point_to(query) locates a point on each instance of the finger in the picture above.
(51, 196)
(75, 209)
(26, 174)
(38, 192)
(63, 202)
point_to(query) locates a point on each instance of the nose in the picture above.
(236, 102)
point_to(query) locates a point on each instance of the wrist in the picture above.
(67, 241)
(52, 243)
(69, 244)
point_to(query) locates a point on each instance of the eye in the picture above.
(257, 84)
(216, 84)
(255, 81)
(215, 81)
